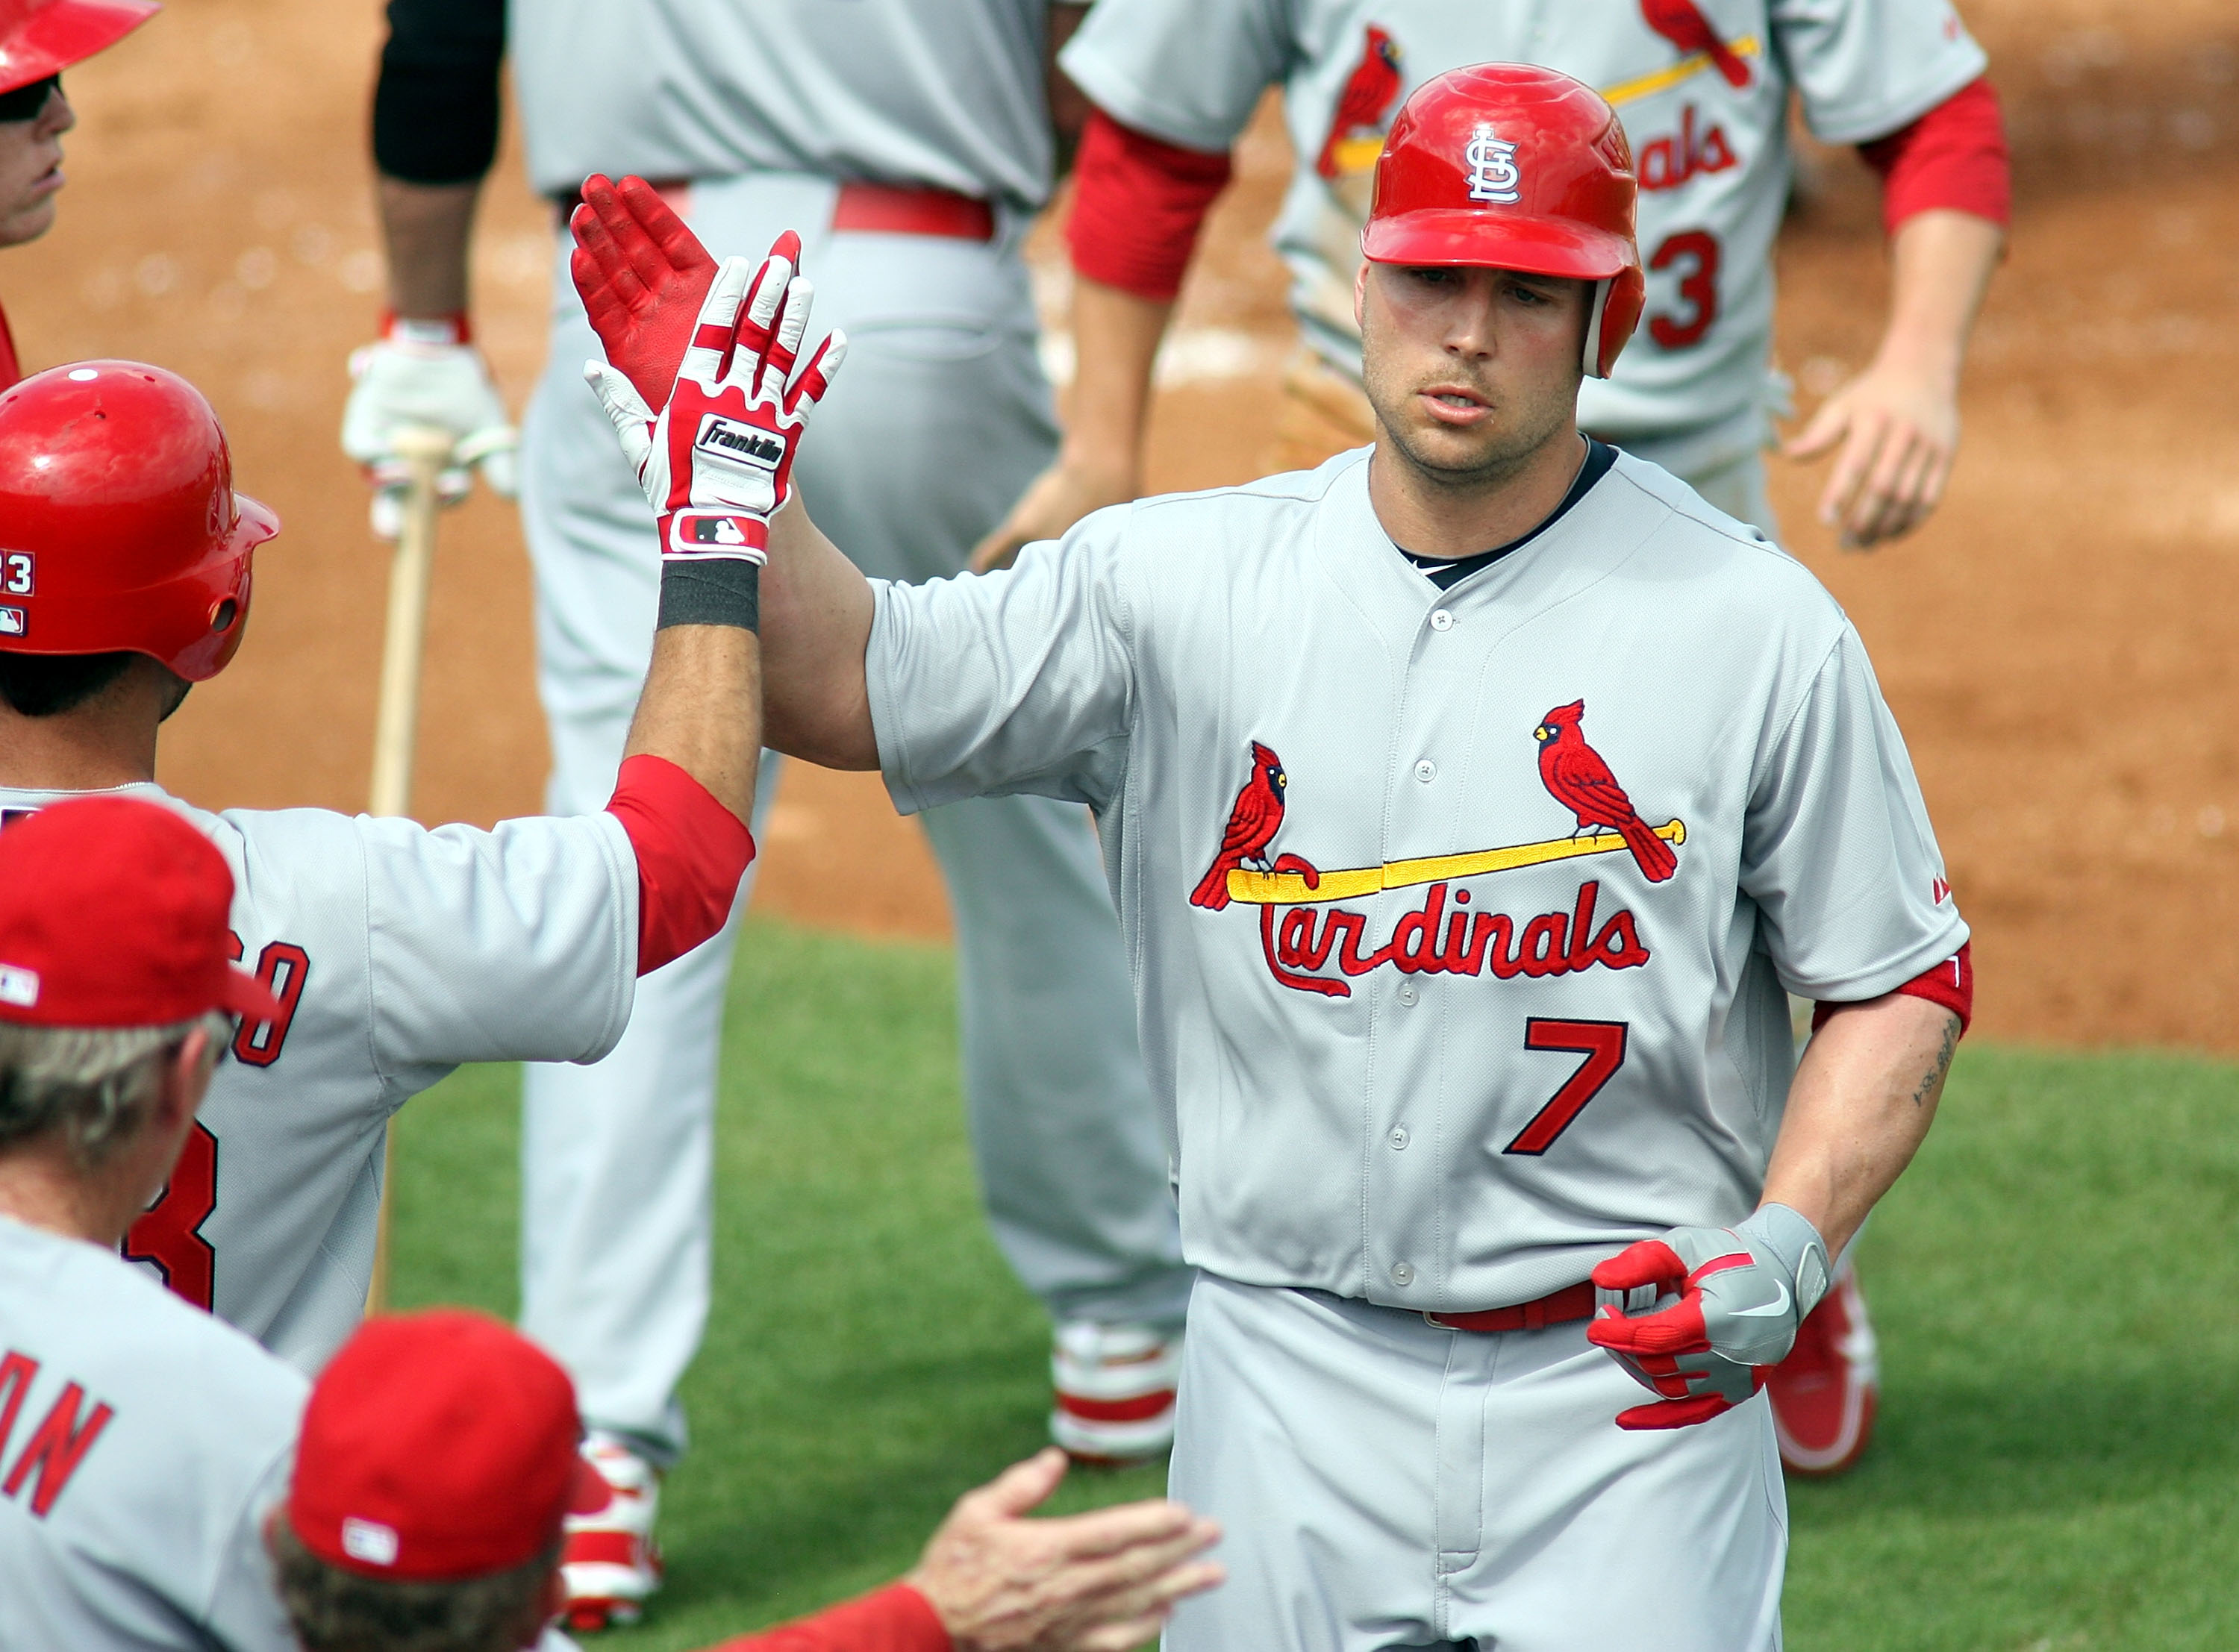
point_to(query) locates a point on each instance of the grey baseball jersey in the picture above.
(397, 953)
(953, 96)
(1459, 920)
(141, 1444)
(1703, 88)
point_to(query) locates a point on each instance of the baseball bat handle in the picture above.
(396, 720)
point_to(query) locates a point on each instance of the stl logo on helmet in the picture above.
(1494, 174)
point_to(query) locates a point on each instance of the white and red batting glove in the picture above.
(716, 462)
(1700, 1316)
(426, 373)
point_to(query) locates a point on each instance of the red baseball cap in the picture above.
(437, 1447)
(113, 913)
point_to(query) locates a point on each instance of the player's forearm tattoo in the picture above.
(1941, 1063)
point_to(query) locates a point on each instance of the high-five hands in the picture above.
(715, 462)
(1699, 1316)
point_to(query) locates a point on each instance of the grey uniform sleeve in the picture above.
(1017, 681)
(1837, 849)
(1188, 71)
(244, 1614)
(1865, 68)
(518, 944)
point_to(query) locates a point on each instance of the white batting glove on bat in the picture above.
(425, 373)
(1699, 1316)
(716, 462)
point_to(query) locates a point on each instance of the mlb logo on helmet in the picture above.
(18, 986)
(1493, 174)
(13, 622)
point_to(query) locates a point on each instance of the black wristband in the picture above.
(710, 590)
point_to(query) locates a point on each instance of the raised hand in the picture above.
(715, 463)
(642, 276)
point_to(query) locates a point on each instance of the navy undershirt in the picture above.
(1446, 573)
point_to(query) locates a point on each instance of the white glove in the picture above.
(425, 373)
(716, 461)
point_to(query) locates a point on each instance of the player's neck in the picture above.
(1432, 515)
(109, 740)
(42, 1188)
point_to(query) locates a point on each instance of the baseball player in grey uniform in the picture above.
(911, 143)
(1469, 802)
(142, 1442)
(1704, 90)
(391, 952)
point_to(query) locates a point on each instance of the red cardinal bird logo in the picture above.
(1252, 826)
(1368, 94)
(1575, 776)
(1682, 22)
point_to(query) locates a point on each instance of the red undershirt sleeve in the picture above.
(1954, 156)
(1138, 204)
(894, 1618)
(691, 853)
(1951, 984)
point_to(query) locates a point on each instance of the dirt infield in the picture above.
(2056, 643)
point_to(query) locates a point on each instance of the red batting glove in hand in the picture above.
(1699, 1316)
(642, 276)
(716, 463)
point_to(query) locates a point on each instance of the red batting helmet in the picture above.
(1509, 167)
(119, 526)
(43, 38)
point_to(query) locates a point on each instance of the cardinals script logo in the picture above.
(1493, 175)
(1311, 944)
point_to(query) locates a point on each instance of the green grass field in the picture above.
(2055, 1283)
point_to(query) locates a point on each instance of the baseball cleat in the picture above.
(1115, 1391)
(1823, 1393)
(608, 1561)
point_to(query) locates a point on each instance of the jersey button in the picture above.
(1441, 620)
(1402, 1274)
(1426, 771)
(1399, 1138)
(1406, 993)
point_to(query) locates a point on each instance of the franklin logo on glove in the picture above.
(722, 439)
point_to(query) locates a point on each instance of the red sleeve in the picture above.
(1951, 984)
(1136, 207)
(691, 853)
(1954, 155)
(894, 1618)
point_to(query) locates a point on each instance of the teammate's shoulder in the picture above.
(141, 1330)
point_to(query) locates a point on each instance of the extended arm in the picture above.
(994, 1581)
(1945, 202)
(818, 610)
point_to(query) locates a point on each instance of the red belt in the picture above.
(889, 209)
(1556, 1308)
(867, 209)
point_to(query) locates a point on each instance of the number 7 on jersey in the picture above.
(1602, 1042)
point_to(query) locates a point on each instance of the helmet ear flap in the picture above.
(1618, 301)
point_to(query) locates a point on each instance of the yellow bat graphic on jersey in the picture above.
(1289, 888)
(1640, 86)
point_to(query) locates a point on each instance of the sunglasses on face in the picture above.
(27, 102)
